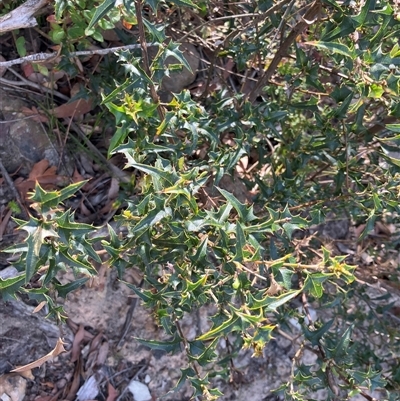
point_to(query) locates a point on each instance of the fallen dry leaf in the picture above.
(274, 288)
(113, 191)
(58, 349)
(77, 177)
(76, 345)
(27, 69)
(35, 114)
(102, 353)
(42, 173)
(39, 307)
(74, 109)
(38, 169)
(74, 385)
(112, 392)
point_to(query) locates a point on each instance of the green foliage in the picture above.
(308, 130)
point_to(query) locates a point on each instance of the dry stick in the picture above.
(22, 16)
(43, 57)
(14, 190)
(128, 319)
(308, 19)
(143, 44)
(25, 82)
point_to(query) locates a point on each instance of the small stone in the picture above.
(12, 388)
(139, 391)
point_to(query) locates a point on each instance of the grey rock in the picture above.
(23, 141)
(178, 80)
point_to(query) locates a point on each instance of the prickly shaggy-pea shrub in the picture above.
(320, 73)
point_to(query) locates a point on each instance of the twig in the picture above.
(134, 378)
(309, 17)
(43, 57)
(128, 319)
(14, 190)
(25, 82)
(144, 46)
(258, 17)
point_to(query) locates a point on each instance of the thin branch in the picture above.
(25, 82)
(44, 57)
(144, 46)
(258, 17)
(310, 16)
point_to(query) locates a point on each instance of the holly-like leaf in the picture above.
(168, 346)
(225, 327)
(9, 286)
(245, 213)
(64, 290)
(313, 283)
(101, 11)
(272, 303)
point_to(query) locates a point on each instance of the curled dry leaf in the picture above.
(112, 392)
(39, 169)
(58, 349)
(42, 173)
(274, 288)
(73, 109)
(76, 345)
(39, 307)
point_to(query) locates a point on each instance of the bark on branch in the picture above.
(309, 18)
(22, 16)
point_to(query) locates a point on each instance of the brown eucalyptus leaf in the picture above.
(58, 349)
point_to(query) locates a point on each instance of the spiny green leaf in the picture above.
(202, 354)
(313, 283)
(82, 265)
(64, 290)
(146, 296)
(240, 243)
(66, 221)
(168, 346)
(245, 213)
(117, 92)
(333, 47)
(152, 218)
(225, 327)
(193, 286)
(51, 199)
(344, 343)
(9, 286)
(315, 336)
(361, 18)
(272, 303)
(101, 11)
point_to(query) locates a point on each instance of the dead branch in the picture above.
(22, 16)
(43, 57)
